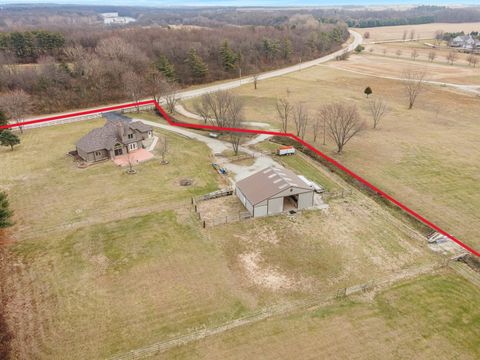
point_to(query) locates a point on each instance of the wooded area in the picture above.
(66, 69)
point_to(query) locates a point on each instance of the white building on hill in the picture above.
(112, 18)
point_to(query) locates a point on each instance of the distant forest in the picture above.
(64, 57)
(63, 67)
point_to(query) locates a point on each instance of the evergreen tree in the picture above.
(166, 68)
(228, 57)
(3, 119)
(5, 212)
(198, 68)
(286, 48)
(368, 91)
(7, 138)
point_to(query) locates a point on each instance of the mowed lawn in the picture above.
(50, 193)
(431, 317)
(427, 157)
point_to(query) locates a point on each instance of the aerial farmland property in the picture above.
(193, 214)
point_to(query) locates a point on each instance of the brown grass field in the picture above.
(97, 270)
(423, 31)
(100, 263)
(426, 157)
(376, 64)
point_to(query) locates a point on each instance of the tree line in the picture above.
(78, 69)
(28, 46)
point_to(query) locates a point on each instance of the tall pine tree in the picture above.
(166, 68)
(198, 68)
(286, 48)
(5, 212)
(228, 57)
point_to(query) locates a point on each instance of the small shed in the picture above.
(272, 191)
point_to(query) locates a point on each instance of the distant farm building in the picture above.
(113, 19)
(467, 42)
(273, 191)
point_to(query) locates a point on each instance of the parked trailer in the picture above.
(317, 188)
(286, 150)
(220, 170)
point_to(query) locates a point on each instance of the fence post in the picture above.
(204, 224)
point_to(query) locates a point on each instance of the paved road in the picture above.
(187, 94)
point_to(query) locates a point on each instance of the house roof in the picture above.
(268, 182)
(107, 136)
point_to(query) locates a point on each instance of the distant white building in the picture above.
(466, 42)
(112, 18)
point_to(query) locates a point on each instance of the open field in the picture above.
(423, 31)
(378, 65)
(426, 157)
(94, 283)
(431, 317)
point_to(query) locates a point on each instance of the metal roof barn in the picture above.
(272, 191)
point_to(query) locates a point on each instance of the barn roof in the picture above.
(269, 182)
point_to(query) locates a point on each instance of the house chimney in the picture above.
(120, 130)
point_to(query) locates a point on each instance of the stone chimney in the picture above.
(120, 130)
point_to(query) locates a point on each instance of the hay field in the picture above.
(422, 31)
(376, 64)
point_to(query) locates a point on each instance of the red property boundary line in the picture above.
(275, 133)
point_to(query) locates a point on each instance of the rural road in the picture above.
(187, 94)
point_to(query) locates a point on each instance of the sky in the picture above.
(176, 3)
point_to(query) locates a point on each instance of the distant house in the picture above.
(467, 42)
(113, 18)
(115, 138)
(272, 191)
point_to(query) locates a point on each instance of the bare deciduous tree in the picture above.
(414, 54)
(234, 115)
(472, 60)
(255, 81)
(316, 126)
(163, 149)
(17, 104)
(342, 121)
(214, 107)
(300, 117)
(284, 111)
(156, 84)
(452, 56)
(413, 83)
(398, 52)
(432, 55)
(171, 97)
(378, 109)
(412, 34)
(132, 84)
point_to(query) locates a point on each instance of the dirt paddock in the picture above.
(221, 210)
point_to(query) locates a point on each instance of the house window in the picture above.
(130, 136)
(132, 146)
(98, 153)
